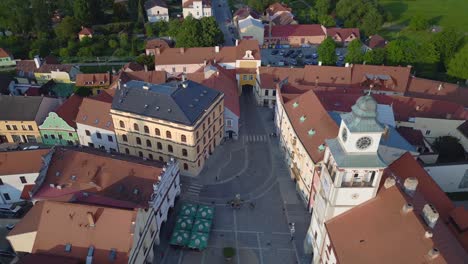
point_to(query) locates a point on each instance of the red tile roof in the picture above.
(133, 66)
(86, 31)
(58, 224)
(106, 179)
(244, 12)
(69, 109)
(344, 33)
(95, 111)
(283, 31)
(4, 53)
(224, 81)
(387, 235)
(277, 7)
(399, 76)
(284, 19)
(157, 43)
(431, 89)
(317, 119)
(25, 192)
(376, 41)
(93, 79)
(12, 162)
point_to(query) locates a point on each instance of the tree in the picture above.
(141, 12)
(67, 29)
(401, 52)
(123, 40)
(87, 12)
(447, 43)
(364, 14)
(41, 10)
(40, 46)
(146, 60)
(449, 148)
(354, 54)
(211, 34)
(322, 7)
(326, 20)
(371, 22)
(113, 44)
(375, 56)
(418, 22)
(149, 30)
(15, 15)
(326, 51)
(189, 33)
(458, 65)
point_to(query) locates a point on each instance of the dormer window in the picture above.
(296, 104)
(302, 119)
(321, 147)
(311, 132)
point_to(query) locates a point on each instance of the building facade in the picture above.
(180, 119)
(351, 170)
(251, 28)
(20, 117)
(197, 8)
(6, 60)
(157, 10)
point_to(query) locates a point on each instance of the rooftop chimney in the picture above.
(91, 220)
(237, 42)
(407, 208)
(389, 182)
(410, 185)
(430, 215)
(182, 50)
(158, 51)
(217, 49)
(428, 234)
(37, 61)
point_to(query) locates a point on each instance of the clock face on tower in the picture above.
(344, 134)
(363, 143)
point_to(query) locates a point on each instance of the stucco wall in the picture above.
(13, 186)
(104, 142)
(451, 178)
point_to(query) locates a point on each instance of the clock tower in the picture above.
(351, 170)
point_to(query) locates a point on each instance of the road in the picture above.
(253, 167)
(222, 13)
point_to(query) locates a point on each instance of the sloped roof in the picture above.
(311, 123)
(188, 3)
(58, 224)
(277, 7)
(244, 12)
(69, 109)
(413, 136)
(99, 178)
(386, 235)
(250, 21)
(86, 31)
(133, 66)
(95, 111)
(4, 53)
(284, 19)
(20, 108)
(13, 162)
(376, 41)
(344, 33)
(282, 31)
(432, 89)
(157, 43)
(93, 79)
(399, 75)
(171, 101)
(46, 258)
(152, 3)
(463, 128)
(222, 80)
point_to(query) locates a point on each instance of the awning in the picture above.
(180, 238)
(205, 212)
(188, 209)
(201, 225)
(198, 241)
(184, 223)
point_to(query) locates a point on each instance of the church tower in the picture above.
(351, 170)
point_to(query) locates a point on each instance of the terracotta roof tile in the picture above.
(277, 7)
(284, 19)
(133, 66)
(96, 112)
(376, 41)
(100, 178)
(86, 31)
(4, 53)
(157, 43)
(307, 116)
(344, 33)
(93, 79)
(413, 136)
(244, 12)
(386, 235)
(431, 89)
(59, 224)
(25, 195)
(398, 77)
(69, 109)
(12, 162)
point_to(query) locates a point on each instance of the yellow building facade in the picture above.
(19, 132)
(154, 138)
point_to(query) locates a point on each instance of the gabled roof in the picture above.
(376, 41)
(388, 235)
(13, 162)
(222, 80)
(58, 224)
(86, 31)
(4, 53)
(284, 19)
(152, 3)
(154, 77)
(250, 21)
(344, 33)
(282, 31)
(188, 3)
(157, 43)
(19, 108)
(311, 123)
(94, 177)
(277, 7)
(244, 12)
(170, 102)
(93, 79)
(399, 76)
(69, 109)
(95, 112)
(133, 66)
(432, 89)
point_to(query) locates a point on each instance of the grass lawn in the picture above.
(443, 13)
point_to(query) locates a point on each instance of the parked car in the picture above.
(294, 55)
(341, 58)
(31, 147)
(308, 56)
(274, 52)
(10, 226)
(289, 53)
(282, 52)
(308, 62)
(338, 53)
(315, 55)
(294, 62)
(9, 209)
(300, 55)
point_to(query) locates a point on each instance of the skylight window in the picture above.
(302, 119)
(296, 104)
(321, 147)
(68, 247)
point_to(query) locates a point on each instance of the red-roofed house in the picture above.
(376, 41)
(6, 59)
(59, 128)
(96, 82)
(85, 32)
(279, 14)
(197, 8)
(343, 35)
(223, 80)
(294, 35)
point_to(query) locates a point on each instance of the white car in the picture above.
(31, 147)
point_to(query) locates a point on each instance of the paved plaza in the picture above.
(253, 167)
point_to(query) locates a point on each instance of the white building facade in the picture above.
(350, 173)
(156, 10)
(95, 137)
(12, 186)
(197, 8)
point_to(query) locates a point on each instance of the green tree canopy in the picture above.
(375, 56)
(364, 14)
(402, 52)
(211, 34)
(326, 20)
(189, 33)
(322, 6)
(146, 60)
(67, 29)
(42, 14)
(326, 52)
(458, 65)
(447, 43)
(418, 22)
(87, 12)
(15, 15)
(354, 54)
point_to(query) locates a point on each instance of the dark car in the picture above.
(274, 52)
(308, 56)
(294, 55)
(289, 53)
